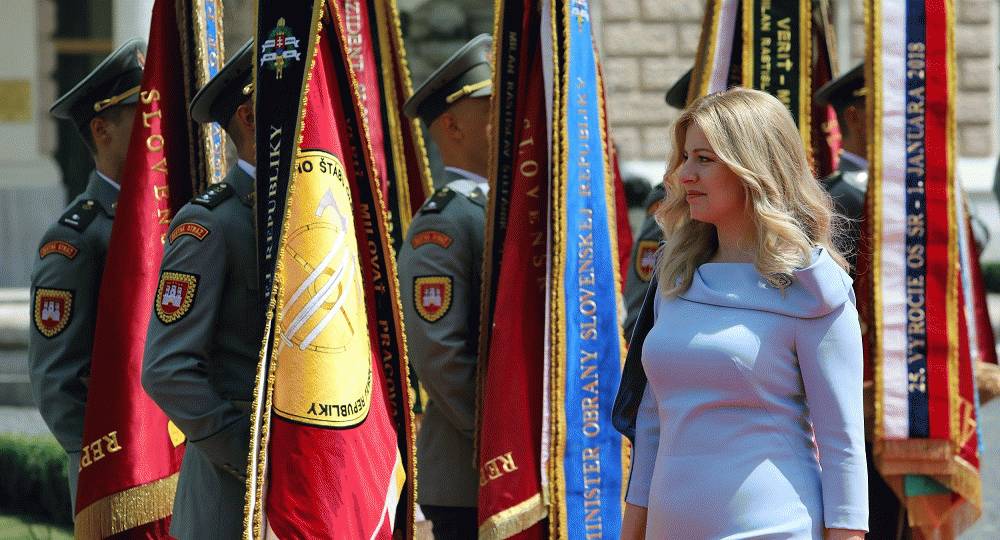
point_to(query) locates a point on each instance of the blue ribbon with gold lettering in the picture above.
(589, 450)
(208, 22)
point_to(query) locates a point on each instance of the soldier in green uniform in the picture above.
(643, 259)
(847, 185)
(66, 279)
(439, 276)
(205, 333)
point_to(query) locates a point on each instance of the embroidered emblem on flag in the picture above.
(175, 296)
(189, 228)
(645, 259)
(53, 309)
(58, 246)
(432, 296)
(437, 238)
(280, 49)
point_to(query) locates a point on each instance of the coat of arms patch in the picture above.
(175, 296)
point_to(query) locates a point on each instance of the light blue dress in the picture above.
(751, 425)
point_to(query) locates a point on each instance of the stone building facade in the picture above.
(648, 44)
(645, 46)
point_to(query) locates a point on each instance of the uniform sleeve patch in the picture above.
(175, 296)
(645, 259)
(60, 247)
(437, 238)
(53, 310)
(432, 296)
(189, 228)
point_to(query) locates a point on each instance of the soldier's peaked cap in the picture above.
(843, 90)
(115, 81)
(467, 73)
(218, 100)
(677, 95)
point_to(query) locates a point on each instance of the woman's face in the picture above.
(714, 193)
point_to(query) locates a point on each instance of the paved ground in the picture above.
(24, 420)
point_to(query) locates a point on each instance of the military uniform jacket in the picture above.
(201, 354)
(642, 262)
(440, 267)
(847, 187)
(65, 283)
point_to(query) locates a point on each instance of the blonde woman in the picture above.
(751, 423)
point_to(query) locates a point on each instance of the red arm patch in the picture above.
(52, 310)
(58, 246)
(175, 296)
(189, 228)
(645, 259)
(432, 296)
(437, 238)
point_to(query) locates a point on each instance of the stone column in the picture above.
(31, 193)
(131, 20)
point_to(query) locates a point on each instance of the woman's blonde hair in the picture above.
(754, 135)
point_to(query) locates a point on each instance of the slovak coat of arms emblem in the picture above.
(645, 259)
(175, 296)
(280, 49)
(53, 309)
(432, 296)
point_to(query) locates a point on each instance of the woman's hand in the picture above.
(634, 522)
(840, 534)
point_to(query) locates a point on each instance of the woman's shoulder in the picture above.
(810, 292)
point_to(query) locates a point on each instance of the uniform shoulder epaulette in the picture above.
(79, 216)
(214, 195)
(438, 201)
(477, 197)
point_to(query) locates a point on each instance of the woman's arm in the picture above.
(830, 360)
(634, 522)
(647, 443)
(843, 534)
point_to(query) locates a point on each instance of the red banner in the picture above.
(512, 358)
(825, 136)
(358, 32)
(338, 443)
(131, 454)
(621, 211)
(376, 54)
(418, 182)
(985, 341)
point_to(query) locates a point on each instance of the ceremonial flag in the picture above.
(926, 437)
(624, 228)
(132, 453)
(586, 459)
(782, 48)
(717, 64)
(512, 349)
(377, 55)
(331, 437)
(376, 52)
(546, 447)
